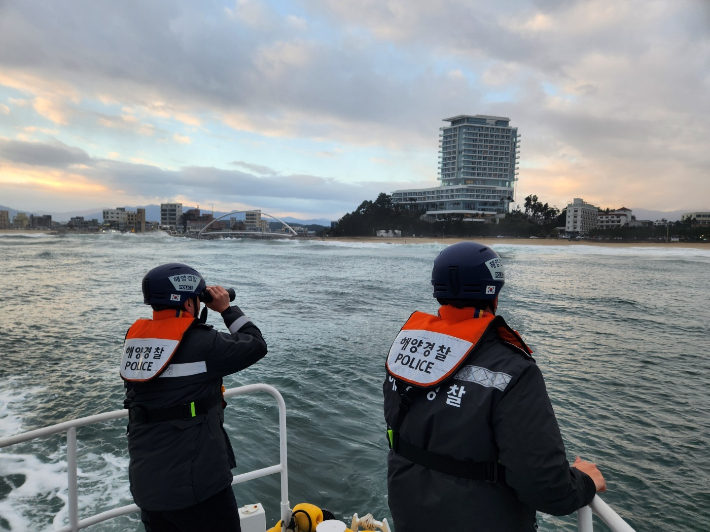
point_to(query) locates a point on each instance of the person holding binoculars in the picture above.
(172, 367)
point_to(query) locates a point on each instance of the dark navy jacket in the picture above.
(495, 407)
(176, 464)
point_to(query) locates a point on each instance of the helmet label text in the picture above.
(185, 283)
(495, 267)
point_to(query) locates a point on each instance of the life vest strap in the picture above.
(486, 471)
(172, 413)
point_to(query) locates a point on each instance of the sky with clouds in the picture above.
(308, 107)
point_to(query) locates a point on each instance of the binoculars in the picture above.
(206, 297)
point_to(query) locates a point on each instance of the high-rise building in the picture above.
(478, 169)
(170, 214)
(581, 217)
(4, 219)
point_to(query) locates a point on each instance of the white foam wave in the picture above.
(12, 397)
(38, 482)
(25, 235)
(371, 245)
(581, 249)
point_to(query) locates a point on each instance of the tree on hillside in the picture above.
(539, 213)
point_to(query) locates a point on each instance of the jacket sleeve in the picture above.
(532, 451)
(242, 347)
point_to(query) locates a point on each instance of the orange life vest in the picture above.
(151, 344)
(429, 349)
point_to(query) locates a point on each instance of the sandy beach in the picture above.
(524, 242)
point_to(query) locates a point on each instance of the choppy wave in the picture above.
(619, 333)
(24, 236)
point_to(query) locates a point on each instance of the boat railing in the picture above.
(70, 428)
(605, 513)
(584, 515)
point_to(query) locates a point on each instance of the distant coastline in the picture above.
(520, 242)
(448, 241)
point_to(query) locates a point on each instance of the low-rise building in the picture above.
(253, 222)
(123, 220)
(662, 223)
(389, 234)
(116, 218)
(193, 220)
(581, 217)
(41, 222)
(20, 221)
(139, 226)
(613, 219)
(4, 219)
(697, 218)
(78, 223)
(170, 214)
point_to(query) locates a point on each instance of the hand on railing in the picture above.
(591, 469)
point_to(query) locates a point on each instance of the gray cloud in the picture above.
(56, 154)
(621, 86)
(256, 168)
(293, 192)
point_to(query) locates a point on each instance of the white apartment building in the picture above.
(699, 218)
(478, 157)
(618, 218)
(581, 217)
(170, 214)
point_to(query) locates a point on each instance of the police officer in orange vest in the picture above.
(474, 440)
(172, 367)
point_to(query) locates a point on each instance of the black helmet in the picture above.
(467, 270)
(171, 285)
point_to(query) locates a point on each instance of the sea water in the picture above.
(621, 336)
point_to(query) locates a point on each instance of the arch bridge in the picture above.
(291, 233)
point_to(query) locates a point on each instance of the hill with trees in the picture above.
(537, 219)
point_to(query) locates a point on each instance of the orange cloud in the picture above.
(50, 96)
(54, 181)
(181, 139)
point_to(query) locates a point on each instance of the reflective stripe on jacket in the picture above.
(494, 407)
(176, 464)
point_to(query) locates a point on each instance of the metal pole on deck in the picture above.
(584, 519)
(285, 505)
(72, 496)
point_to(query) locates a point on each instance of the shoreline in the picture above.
(491, 241)
(519, 242)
